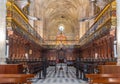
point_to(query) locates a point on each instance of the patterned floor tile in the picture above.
(60, 77)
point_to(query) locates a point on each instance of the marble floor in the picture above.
(60, 77)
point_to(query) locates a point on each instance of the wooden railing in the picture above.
(101, 25)
(19, 22)
(98, 60)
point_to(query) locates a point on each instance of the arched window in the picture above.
(61, 38)
(61, 28)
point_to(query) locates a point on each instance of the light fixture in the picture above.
(33, 18)
(87, 18)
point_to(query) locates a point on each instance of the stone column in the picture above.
(31, 12)
(80, 30)
(92, 4)
(118, 31)
(83, 28)
(2, 31)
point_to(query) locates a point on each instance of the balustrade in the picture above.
(101, 26)
(19, 22)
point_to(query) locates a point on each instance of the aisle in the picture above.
(60, 77)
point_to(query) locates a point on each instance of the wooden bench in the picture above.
(13, 81)
(11, 69)
(15, 78)
(109, 69)
(106, 81)
(16, 75)
(103, 78)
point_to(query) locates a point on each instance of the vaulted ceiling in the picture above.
(65, 12)
(53, 13)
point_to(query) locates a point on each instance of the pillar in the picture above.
(83, 28)
(118, 31)
(92, 5)
(80, 29)
(31, 12)
(2, 31)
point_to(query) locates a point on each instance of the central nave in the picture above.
(60, 77)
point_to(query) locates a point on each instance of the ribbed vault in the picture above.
(66, 12)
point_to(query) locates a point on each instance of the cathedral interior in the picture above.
(60, 41)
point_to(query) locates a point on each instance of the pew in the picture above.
(106, 81)
(103, 78)
(16, 75)
(32, 66)
(90, 66)
(13, 81)
(15, 78)
(109, 69)
(11, 69)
